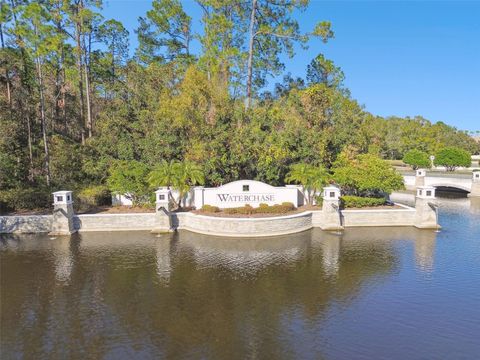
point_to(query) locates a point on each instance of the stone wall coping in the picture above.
(303, 213)
(406, 208)
(114, 215)
(25, 216)
(240, 235)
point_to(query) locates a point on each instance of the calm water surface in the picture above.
(379, 293)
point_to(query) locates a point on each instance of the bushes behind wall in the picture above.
(93, 196)
(249, 210)
(25, 199)
(361, 202)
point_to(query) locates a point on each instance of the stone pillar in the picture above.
(331, 216)
(163, 205)
(62, 222)
(426, 209)
(475, 190)
(420, 177)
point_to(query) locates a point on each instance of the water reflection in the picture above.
(475, 205)
(63, 259)
(184, 295)
(163, 248)
(330, 246)
(244, 256)
(425, 250)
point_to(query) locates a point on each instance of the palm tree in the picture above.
(177, 175)
(312, 178)
(162, 174)
(186, 174)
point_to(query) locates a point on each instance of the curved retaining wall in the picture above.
(243, 227)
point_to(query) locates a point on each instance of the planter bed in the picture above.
(222, 214)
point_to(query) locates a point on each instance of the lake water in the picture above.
(377, 293)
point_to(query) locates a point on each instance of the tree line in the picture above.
(76, 99)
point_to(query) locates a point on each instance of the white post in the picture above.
(198, 200)
(420, 177)
(331, 209)
(475, 190)
(62, 222)
(163, 217)
(426, 216)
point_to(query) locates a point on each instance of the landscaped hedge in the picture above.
(348, 201)
(98, 195)
(25, 199)
(249, 210)
(275, 209)
(210, 208)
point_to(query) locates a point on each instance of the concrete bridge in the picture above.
(444, 181)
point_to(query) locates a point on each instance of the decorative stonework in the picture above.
(426, 216)
(64, 221)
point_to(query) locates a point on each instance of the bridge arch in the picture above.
(451, 186)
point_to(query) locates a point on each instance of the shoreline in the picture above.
(232, 226)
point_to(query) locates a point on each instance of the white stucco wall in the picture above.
(120, 200)
(234, 195)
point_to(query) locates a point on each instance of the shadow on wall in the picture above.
(25, 224)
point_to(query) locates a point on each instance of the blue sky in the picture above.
(401, 58)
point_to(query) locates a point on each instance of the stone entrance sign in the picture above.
(243, 192)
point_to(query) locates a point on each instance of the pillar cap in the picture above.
(162, 194)
(62, 197)
(162, 189)
(331, 193)
(426, 192)
(420, 172)
(476, 175)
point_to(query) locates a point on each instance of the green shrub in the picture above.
(210, 209)
(25, 199)
(130, 176)
(275, 209)
(246, 210)
(452, 157)
(366, 174)
(280, 209)
(262, 209)
(319, 200)
(231, 211)
(360, 202)
(417, 159)
(98, 195)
